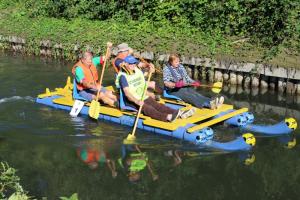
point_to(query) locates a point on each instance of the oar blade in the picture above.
(130, 137)
(217, 87)
(216, 90)
(94, 109)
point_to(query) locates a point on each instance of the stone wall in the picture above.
(248, 75)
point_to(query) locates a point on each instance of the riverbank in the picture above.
(210, 56)
(66, 37)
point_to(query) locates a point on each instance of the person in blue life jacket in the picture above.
(123, 51)
(134, 161)
(132, 83)
(178, 83)
(87, 79)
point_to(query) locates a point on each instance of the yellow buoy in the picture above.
(291, 123)
(249, 139)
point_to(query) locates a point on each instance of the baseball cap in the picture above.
(131, 60)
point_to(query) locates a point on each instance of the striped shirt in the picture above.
(180, 73)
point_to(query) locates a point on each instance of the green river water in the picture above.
(48, 147)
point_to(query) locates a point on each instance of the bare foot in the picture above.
(114, 174)
(155, 177)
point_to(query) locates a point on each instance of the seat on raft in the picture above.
(122, 103)
(169, 96)
(128, 108)
(75, 92)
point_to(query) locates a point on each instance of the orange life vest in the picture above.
(90, 74)
(120, 56)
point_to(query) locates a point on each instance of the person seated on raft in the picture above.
(86, 76)
(177, 82)
(123, 51)
(132, 82)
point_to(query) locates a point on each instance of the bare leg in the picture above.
(111, 95)
(177, 159)
(154, 176)
(106, 99)
(111, 165)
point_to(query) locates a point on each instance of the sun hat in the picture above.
(123, 47)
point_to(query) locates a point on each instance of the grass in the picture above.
(145, 36)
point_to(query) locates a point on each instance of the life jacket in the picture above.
(136, 82)
(119, 56)
(90, 74)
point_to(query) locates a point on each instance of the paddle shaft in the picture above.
(102, 72)
(215, 85)
(215, 88)
(208, 86)
(140, 109)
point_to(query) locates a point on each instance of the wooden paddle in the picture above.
(131, 136)
(95, 105)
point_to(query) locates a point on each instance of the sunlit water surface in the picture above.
(57, 155)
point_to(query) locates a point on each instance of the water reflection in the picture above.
(137, 162)
(94, 154)
(247, 158)
(133, 161)
(78, 123)
(178, 156)
(50, 166)
(288, 141)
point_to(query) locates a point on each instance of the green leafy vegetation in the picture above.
(252, 30)
(269, 22)
(73, 197)
(10, 184)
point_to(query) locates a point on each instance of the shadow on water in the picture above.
(57, 155)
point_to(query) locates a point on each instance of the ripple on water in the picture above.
(16, 98)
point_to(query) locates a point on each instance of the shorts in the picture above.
(88, 93)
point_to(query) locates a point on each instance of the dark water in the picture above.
(48, 147)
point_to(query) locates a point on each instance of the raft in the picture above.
(195, 129)
(245, 122)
